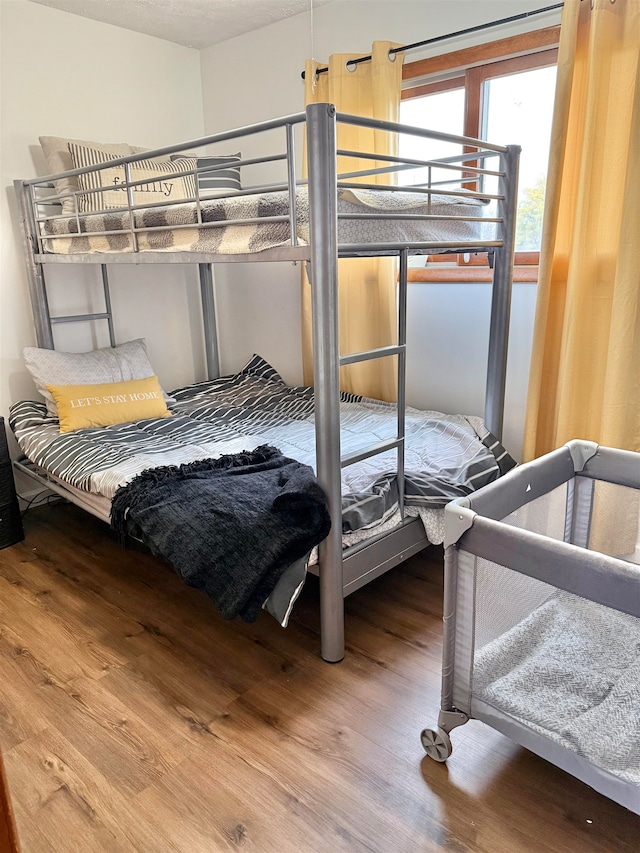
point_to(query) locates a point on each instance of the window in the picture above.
(503, 92)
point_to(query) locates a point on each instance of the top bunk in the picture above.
(196, 202)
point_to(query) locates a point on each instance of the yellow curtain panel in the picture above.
(585, 370)
(367, 286)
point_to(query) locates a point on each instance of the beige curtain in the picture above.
(585, 372)
(367, 286)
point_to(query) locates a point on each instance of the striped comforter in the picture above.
(446, 456)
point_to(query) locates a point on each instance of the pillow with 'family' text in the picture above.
(107, 189)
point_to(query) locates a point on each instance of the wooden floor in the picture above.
(134, 718)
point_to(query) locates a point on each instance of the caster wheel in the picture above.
(436, 743)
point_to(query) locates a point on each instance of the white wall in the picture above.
(63, 75)
(448, 332)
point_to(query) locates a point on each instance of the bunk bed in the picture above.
(341, 210)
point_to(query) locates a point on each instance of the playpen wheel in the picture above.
(436, 743)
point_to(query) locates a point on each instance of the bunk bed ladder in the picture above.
(103, 315)
(400, 350)
(44, 322)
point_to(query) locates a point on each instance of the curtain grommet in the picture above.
(350, 66)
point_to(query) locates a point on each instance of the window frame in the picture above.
(469, 69)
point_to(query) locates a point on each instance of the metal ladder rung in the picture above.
(367, 355)
(78, 318)
(374, 450)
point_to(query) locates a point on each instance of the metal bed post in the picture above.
(501, 297)
(402, 374)
(209, 320)
(35, 271)
(107, 303)
(323, 221)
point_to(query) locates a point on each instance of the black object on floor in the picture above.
(11, 530)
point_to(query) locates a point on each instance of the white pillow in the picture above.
(161, 184)
(58, 157)
(112, 364)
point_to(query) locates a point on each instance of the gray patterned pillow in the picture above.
(217, 175)
(112, 364)
(214, 181)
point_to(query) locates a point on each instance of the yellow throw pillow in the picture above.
(81, 406)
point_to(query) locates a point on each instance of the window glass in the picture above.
(442, 111)
(517, 110)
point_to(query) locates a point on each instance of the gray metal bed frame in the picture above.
(339, 572)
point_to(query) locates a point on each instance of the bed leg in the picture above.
(323, 223)
(331, 605)
(501, 296)
(209, 320)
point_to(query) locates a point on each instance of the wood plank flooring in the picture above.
(134, 718)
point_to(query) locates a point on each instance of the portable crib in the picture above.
(542, 615)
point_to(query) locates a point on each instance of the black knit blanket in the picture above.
(229, 526)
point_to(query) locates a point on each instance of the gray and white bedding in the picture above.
(571, 672)
(446, 455)
(176, 228)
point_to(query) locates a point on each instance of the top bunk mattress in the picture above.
(232, 226)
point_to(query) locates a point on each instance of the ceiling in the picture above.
(194, 23)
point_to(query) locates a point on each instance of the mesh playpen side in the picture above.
(542, 615)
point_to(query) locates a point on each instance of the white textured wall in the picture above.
(449, 323)
(63, 75)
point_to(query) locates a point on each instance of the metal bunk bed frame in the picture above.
(340, 572)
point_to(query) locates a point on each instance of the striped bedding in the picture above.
(446, 455)
(175, 228)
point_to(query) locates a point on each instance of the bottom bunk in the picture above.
(542, 615)
(445, 455)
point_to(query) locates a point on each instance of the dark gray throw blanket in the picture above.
(229, 526)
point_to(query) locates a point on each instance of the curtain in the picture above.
(585, 370)
(366, 286)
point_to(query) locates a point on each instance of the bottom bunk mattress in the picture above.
(446, 456)
(570, 671)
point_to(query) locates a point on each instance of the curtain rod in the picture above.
(394, 50)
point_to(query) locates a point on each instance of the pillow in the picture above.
(111, 364)
(161, 186)
(81, 406)
(213, 183)
(221, 181)
(58, 157)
